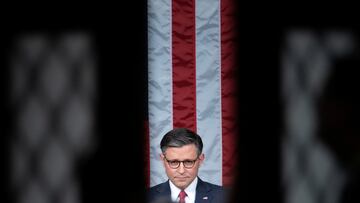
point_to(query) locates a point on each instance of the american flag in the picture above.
(191, 82)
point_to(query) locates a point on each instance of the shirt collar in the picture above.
(190, 190)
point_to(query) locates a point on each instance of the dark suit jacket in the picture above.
(205, 193)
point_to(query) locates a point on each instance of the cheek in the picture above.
(169, 171)
(193, 171)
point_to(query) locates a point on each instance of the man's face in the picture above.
(182, 176)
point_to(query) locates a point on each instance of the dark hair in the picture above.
(179, 137)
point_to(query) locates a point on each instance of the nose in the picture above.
(181, 168)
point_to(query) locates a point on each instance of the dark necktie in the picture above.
(182, 196)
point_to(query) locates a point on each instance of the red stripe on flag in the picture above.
(183, 61)
(228, 91)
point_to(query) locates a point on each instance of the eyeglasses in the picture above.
(174, 164)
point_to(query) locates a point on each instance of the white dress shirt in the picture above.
(190, 191)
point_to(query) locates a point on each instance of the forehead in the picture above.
(185, 152)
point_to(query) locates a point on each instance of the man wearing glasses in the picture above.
(182, 156)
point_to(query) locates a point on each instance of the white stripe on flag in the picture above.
(208, 84)
(160, 82)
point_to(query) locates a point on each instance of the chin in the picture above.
(182, 185)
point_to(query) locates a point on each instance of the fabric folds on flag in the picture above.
(191, 82)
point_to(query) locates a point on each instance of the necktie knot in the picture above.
(182, 196)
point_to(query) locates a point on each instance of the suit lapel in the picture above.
(164, 191)
(203, 194)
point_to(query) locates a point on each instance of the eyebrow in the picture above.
(181, 160)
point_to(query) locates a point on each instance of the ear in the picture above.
(162, 157)
(201, 158)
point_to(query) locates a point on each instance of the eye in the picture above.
(188, 162)
(174, 163)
